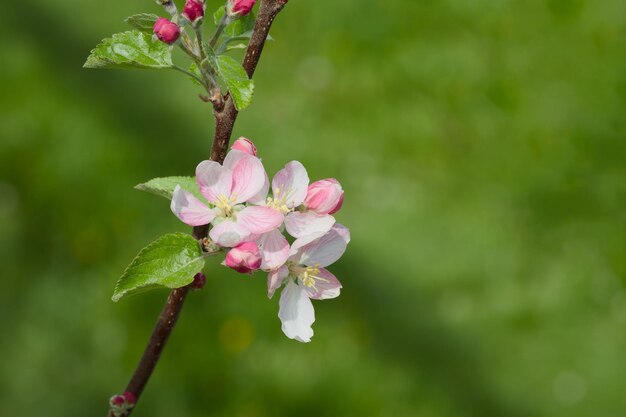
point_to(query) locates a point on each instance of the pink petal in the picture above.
(274, 249)
(189, 209)
(327, 249)
(259, 219)
(275, 279)
(214, 180)
(309, 223)
(326, 287)
(296, 313)
(228, 233)
(290, 184)
(260, 198)
(248, 177)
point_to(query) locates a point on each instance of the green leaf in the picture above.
(144, 22)
(237, 27)
(234, 76)
(132, 49)
(193, 68)
(171, 261)
(164, 187)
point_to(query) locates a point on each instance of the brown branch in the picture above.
(225, 116)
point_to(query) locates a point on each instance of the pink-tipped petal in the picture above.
(214, 180)
(274, 249)
(275, 280)
(304, 224)
(244, 258)
(248, 177)
(296, 313)
(189, 209)
(259, 219)
(324, 196)
(290, 184)
(327, 249)
(260, 198)
(326, 286)
(228, 233)
(245, 145)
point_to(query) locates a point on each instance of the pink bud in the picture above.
(130, 397)
(240, 7)
(166, 31)
(244, 145)
(199, 280)
(193, 10)
(244, 258)
(324, 196)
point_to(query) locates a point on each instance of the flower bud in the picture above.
(244, 258)
(240, 8)
(199, 280)
(130, 397)
(193, 10)
(117, 400)
(166, 30)
(244, 145)
(324, 196)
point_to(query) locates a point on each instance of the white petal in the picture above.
(327, 249)
(214, 180)
(296, 313)
(189, 209)
(259, 219)
(325, 288)
(305, 224)
(274, 249)
(290, 184)
(248, 178)
(260, 198)
(228, 233)
(275, 279)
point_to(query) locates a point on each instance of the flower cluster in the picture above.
(249, 217)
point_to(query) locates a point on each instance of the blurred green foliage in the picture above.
(482, 148)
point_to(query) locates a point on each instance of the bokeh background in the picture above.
(482, 148)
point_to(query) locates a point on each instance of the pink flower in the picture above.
(324, 196)
(193, 10)
(226, 188)
(244, 145)
(306, 278)
(166, 30)
(244, 258)
(240, 7)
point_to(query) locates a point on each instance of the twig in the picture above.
(224, 122)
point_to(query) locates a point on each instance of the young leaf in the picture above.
(238, 26)
(132, 49)
(171, 261)
(164, 187)
(144, 22)
(234, 76)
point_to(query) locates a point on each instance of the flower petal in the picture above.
(328, 286)
(275, 279)
(296, 313)
(189, 209)
(290, 184)
(274, 249)
(248, 177)
(259, 219)
(228, 233)
(304, 224)
(214, 180)
(327, 249)
(260, 198)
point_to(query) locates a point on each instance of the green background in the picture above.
(481, 147)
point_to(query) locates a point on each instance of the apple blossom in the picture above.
(244, 258)
(324, 196)
(166, 30)
(305, 278)
(193, 10)
(227, 188)
(240, 7)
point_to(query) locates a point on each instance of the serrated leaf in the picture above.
(234, 76)
(164, 187)
(143, 22)
(132, 49)
(171, 261)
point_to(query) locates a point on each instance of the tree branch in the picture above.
(224, 122)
